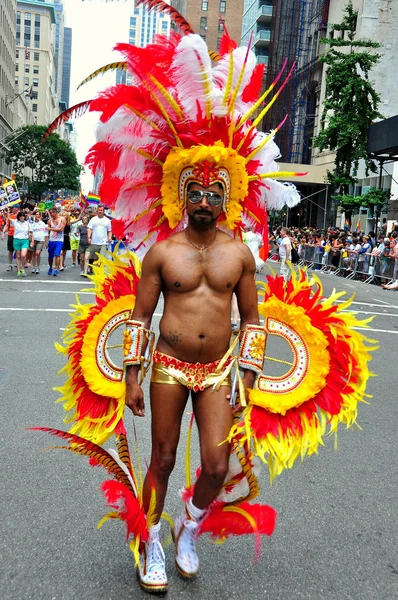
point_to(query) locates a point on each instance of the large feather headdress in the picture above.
(190, 115)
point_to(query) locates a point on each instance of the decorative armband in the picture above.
(252, 348)
(132, 343)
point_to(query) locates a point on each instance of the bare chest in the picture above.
(189, 270)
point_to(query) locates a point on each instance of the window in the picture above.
(35, 69)
(18, 18)
(35, 82)
(35, 95)
(220, 25)
(132, 33)
(203, 22)
(34, 107)
(205, 4)
(164, 25)
(17, 54)
(133, 21)
(16, 81)
(37, 41)
(223, 6)
(26, 81)
(27, 68)
(36, 56)
(27, 19)
(17, 67)
(218, 43)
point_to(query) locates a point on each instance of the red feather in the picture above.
(128, 507)
(220, 523)
(227, 44)
(253, 88)
(74, 111)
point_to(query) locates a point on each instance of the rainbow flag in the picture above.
(347, 224)
(358, 225)
(93, 199)
(83, 200)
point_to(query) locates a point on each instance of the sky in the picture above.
(96, 27)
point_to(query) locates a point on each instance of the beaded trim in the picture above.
(252, 348)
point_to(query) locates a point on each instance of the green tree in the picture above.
(53, 163)
(351, 103)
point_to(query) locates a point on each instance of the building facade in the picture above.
(59, 45)
(66, 66)
(257, 26)
(35, 57)
(8, 9)
(209, 17)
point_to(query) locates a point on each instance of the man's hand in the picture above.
(135, 398)
(248, 380)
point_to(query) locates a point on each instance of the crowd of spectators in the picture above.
(83, 231)
(342, 252)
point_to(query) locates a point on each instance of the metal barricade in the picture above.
(364, 260)
(318, 257)
(384, 269)
(308, 258)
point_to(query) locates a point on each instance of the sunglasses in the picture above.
(196, 196)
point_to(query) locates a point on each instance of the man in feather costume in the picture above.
(185, 169)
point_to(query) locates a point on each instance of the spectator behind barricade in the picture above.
(385, 259)
(338, 242)
(364, 255)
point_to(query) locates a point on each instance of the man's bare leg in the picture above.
(168, 403)
(214, 419)
(167, 407)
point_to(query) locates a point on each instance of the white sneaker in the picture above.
(151, 569)
(184, 536)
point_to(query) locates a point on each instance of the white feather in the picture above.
(191, 68)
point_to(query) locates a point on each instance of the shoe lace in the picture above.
(190, 532)
(155, 555)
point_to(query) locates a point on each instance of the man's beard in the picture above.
(199, 218)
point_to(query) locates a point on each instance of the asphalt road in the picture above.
(337, 533)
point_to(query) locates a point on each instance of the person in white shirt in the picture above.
(285, 253)
(254, 242)
(99, 234)
(40, 239)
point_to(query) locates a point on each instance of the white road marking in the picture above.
(51, 281)
(385, 305)
(68, 310)
(379, 330)
(55, 292)
(376, 314)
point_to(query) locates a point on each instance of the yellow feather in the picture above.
(228, 85)
(111, 67)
